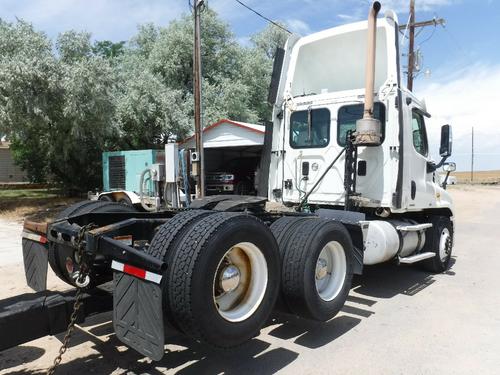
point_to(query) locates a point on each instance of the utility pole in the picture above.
(472, 158)
(198, 132)
(433, 22)
(411, 46)
(412, 25)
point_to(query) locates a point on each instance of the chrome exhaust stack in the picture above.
(368, 129)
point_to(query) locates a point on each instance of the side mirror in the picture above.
(449, 167)
(446, 141)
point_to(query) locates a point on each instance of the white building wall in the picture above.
(9, 172)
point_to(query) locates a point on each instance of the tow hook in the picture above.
(80, 283)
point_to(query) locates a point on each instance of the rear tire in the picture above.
(439, 240)
(106, 198)
(164, 243)
(125, 200)
(224, 280)
(282, 229)
(317, 269)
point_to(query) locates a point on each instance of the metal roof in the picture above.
(229, 133)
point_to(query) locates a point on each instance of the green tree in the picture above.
(62, 107)
(74, 46)
(57, 109)
(143, 43)
(224, 67)
(29, 94)
(107, 49)
(269, 39)
(86, 124)
(148, 113)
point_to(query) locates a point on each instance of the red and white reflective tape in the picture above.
(135, 271)
(34, 237)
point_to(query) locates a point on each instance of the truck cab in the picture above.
(320, 96)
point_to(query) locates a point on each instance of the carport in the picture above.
(232, 148)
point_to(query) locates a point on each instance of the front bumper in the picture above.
(220, 188)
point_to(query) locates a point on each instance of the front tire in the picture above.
(439, 240)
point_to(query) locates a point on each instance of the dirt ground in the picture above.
(35, 204)
(397, 320)
(479, 177)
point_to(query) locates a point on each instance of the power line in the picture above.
(264, 17)
(454, 40)
(429, 37)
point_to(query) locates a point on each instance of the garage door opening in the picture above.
(232, 155)
(232, 170)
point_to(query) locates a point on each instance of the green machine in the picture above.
(121, 170)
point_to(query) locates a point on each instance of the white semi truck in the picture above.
(349, 183)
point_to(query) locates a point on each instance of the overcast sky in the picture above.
(463, 89)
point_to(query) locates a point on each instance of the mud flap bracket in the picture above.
(138, 315)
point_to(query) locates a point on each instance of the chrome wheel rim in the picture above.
(331, 269)
(240, 282)
(444, 251)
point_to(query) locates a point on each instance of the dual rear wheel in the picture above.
(316, 266)
(222, 277)
(224, 272)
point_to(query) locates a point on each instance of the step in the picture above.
(414, 228)
(416, 258)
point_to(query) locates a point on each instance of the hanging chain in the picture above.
(81, 280)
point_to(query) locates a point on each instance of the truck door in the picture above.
(309, 148)
(421, 187)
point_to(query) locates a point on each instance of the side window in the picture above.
(349, 114)
(418, 132)
(310, 128)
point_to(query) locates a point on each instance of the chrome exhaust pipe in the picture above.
(368, 129)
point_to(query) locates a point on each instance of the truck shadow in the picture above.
(388, 280)
(377, 283)
(23, 354)
(255, 356)
(185, 356)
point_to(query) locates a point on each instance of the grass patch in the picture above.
(34, 204)
(28, 194)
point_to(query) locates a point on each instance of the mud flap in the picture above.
(35, 257)
(138, 315)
